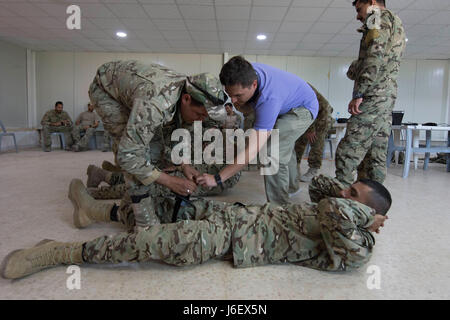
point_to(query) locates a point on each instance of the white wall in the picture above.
(13, 85)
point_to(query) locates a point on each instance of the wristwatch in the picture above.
(357, 95)
(219, 181)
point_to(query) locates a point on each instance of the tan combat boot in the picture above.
(96, 175)
(46, 254)
(87, 210)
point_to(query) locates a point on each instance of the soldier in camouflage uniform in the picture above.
(140, 106)
(332, 233)
(116, 180)
(86, 123)
(56, 120)
(375, 73)
(315, 136)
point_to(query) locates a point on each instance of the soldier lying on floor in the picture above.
(333, 232)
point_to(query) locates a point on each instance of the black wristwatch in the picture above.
(219, 180)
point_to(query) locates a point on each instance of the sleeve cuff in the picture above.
(154, 175)
(357, 95)
(369, 222)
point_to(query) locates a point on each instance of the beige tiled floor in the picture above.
(412, 251)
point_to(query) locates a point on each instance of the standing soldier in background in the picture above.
(86, 123)
(140, 106)
(56, 120)
(375, 73)
(315, 136)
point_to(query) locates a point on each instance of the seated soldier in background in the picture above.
(315, 136)
(333, 233)
(86, 123)
(56, 120)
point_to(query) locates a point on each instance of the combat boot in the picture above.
(95, 176)
(87, 210)
(108, 166)
(308, 176)
(46, 254)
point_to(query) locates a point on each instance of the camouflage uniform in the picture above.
(53, 116)
(106, 141)
(117, 187)
(375, 73)
(86, 118)
(320, 126)
(138, 105)
(328, 235)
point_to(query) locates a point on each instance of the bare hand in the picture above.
(86, 127)
(182, 186)
(311, 137)
(206, 180)
(190, 173)
(378, 223)
(353, 106)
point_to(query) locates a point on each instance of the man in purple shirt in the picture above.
(281, 101)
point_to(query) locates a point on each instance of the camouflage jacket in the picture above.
(328, 235)
(53, 116)
(376, 71)
(140, 101)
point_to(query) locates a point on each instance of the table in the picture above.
(412, 146)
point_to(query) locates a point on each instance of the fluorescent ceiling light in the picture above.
(261, 37)
(121, 34)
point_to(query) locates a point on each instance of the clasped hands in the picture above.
(194, 178)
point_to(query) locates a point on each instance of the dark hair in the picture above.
(379, 198)
(237, 71)
(58, 102)
(380, 2)
(193, 101)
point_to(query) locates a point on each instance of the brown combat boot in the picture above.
(108, 166)
(45, 254)
(96, 175)
(87, 210)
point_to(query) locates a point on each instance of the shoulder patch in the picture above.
(371, 35)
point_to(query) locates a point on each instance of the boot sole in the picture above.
(5, 262)
(6, 259)
(76, 212)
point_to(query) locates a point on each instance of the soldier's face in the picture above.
(357, 192)
(191, 112)
(90, 107)
(361, 10)
(239, 95)
(59, 108)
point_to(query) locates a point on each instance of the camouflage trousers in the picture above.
(185, 242)
(316, 151)
(117, 186)
(82, 142)
(47, 130)
(106, 141)
(364, 146)
(126, 211)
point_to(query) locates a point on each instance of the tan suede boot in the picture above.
(46, 254)
(87, 210)
(96, 176)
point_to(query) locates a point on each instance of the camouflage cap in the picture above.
(207, 89)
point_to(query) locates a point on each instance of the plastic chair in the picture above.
(61, 139)
(4, 134)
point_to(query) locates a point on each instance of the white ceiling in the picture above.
(293, 27)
